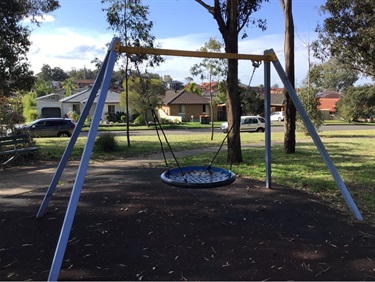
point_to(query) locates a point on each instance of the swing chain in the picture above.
(256, 65)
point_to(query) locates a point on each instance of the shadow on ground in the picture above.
(131, 226)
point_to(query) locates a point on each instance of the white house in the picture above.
(49, 105)
(55, 105)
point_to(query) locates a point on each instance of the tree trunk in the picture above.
(290, 110)
(229, 30)
(211, 111)
(233, 101)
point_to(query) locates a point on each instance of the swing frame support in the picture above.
(100, 89)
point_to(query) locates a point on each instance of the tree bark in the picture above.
(229, 30)
(290, 110)
(234, 104)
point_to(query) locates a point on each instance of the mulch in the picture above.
(131, 226)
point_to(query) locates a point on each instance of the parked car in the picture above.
(277, 116)
(48, 127)
(249, 124)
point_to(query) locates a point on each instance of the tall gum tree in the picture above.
(211, 69)
(15, 73)
(129, 19)
(290, 109)
(232, 16)
(347, 33)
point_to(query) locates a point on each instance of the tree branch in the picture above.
(209, 8)
(282, 3)
(216, 12)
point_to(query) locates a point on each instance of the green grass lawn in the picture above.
(352, 152)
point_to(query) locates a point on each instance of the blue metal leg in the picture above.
(72, 141)
(73, 202)
(318, 143)
(267, 113)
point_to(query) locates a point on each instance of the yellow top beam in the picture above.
(199, 54)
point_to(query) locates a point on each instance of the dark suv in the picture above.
(49, 127)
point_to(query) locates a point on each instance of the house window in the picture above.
(205, 109)
(76, 108)
(111, 109)
(181, 109)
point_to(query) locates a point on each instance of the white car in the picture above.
(277, 116)
(249, 124)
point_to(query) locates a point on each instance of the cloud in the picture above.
(179, 67)
(40, 19)
(76, 48)
(66, 48)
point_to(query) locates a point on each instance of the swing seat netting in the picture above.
(198, 177)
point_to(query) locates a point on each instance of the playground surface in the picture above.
(129, 225)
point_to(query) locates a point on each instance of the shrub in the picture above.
(139, 120)
(105, 142)
(88, 121)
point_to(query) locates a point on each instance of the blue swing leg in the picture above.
(72, 141)
(318, 142)
(73, 201)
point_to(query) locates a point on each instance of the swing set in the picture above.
(188, 177)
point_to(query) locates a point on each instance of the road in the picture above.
(217, 130)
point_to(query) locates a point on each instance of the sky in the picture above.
(72, 36)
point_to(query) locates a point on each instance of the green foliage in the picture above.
(193, 88)
(88, 121)
(357, 102)
(115, 117)
(30, 111)
(123, 118)
(139, 120)
(14, 44)
(221, 98)
(10, 113)
(42, 87)
(142, 93)
(332, 75)
(210, 68)
(252, 103)
(52, 74)
(106, 142)
(129, 19)
(310, 103)
(69, 86)
(85, 73)
(348, 34)
(74, 116)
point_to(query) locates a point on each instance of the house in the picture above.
(328, 100)
(76, 103)
(49, 105)
(185, 106)
(174, 85)
(56, 105)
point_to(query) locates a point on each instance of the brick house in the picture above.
(186, 105)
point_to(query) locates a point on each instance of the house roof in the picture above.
(183, 97)
(77, 97)
(81, 97)
(51, 97)
(329, 94)
(112, 98)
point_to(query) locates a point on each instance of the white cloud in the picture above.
(68, 48)
(40, 19)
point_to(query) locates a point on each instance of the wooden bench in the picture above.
(13, 146)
